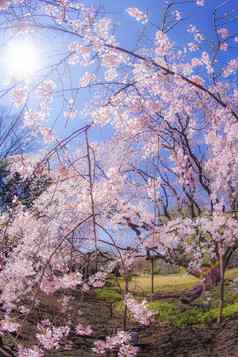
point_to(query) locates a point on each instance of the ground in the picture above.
(179, 330)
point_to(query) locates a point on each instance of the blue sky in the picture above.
(128, 31)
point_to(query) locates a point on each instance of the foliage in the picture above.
(108, 294)
(166, 311)
(169, 312)
(26, 190)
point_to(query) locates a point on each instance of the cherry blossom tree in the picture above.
(165, 179)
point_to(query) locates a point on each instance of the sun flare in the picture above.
(21, 59)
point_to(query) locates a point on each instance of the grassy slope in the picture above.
(162, 283)
(172, 311)
(169, 283)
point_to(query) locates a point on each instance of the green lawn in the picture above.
(172, 313)
(171, 310)
(162, 283)
(168, 283)
(232, 273)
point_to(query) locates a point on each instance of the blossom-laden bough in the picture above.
(164, 181)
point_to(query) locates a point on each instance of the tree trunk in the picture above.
(125, 308)
(222, 273)
(213, 277)
(152, 275)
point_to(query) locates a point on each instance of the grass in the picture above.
(108, 294)
(162, 283)
(168, 283)
(165, 311)
(171, 313)
(232, 274)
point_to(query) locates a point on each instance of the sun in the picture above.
(21, 59)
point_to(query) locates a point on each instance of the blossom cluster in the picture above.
(50, 336)
(140, 311)
(137, 14)
(119, 342)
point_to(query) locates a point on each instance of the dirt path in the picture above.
(209, 341)
(160, 340)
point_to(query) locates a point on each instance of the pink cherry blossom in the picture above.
(162, 44)
(8, 325)
(200, 2)
(223, 32)
(30, 352)
(119, 342)
(139, 311)
(4, 4)
(49, 336)
(137, 14)
(83, 330)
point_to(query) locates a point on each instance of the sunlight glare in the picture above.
(21, 59)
